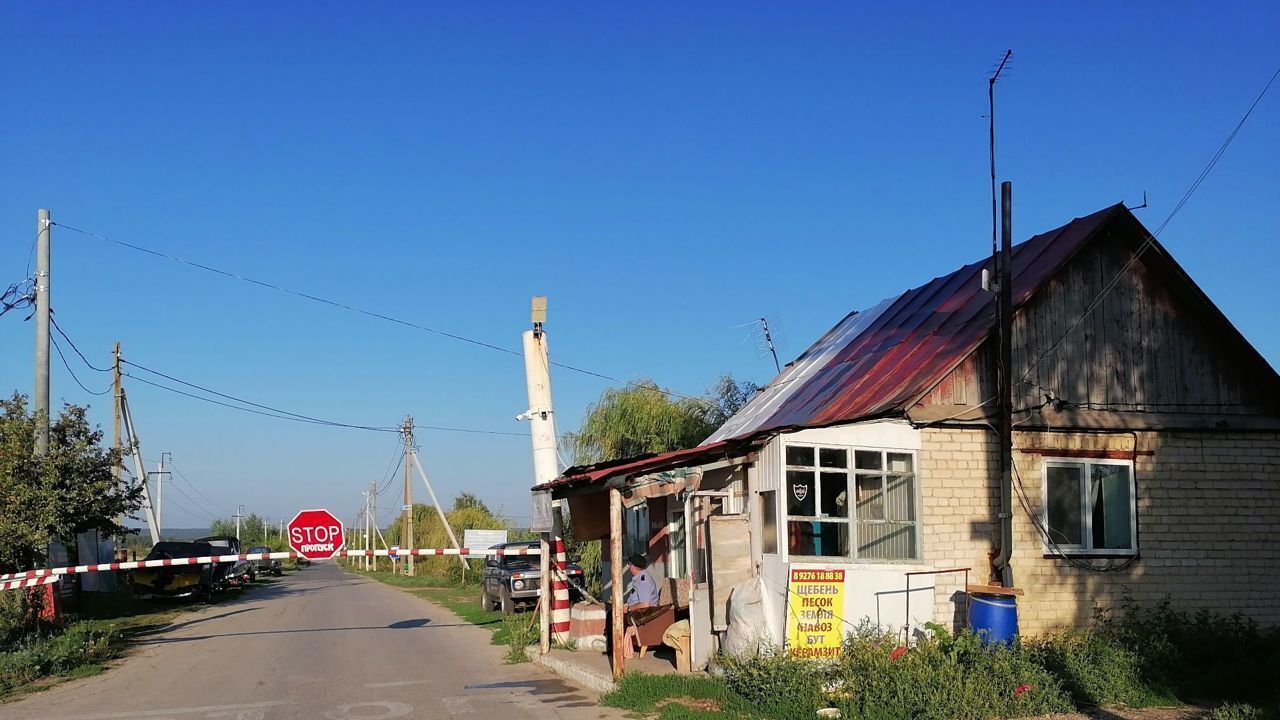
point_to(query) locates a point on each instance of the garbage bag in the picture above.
(746, 619)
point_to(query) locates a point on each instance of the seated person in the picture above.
(644, 591)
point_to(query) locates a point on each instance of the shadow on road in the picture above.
(555, 691)
(155, 629)
(414, 624)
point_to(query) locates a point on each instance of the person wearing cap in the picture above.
(644, 591)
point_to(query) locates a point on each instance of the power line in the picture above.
(1151, 239)
(192, 485)
(67, 365)
(90, 365)
(291, 415)
(351, 308)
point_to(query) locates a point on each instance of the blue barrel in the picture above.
(994, 618)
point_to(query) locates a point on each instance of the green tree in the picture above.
(728, 396)
(68, 490)
(253, 530)
(467, 500)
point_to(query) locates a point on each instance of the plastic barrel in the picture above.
(994, 618)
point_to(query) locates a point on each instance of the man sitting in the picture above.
(644, 591)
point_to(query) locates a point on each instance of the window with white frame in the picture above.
(851, 503)
(1089, 507)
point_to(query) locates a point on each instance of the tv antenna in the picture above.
(991, 136)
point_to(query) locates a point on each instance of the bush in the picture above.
(39, 656)
(1198, 655)
(518, 633)
(1097, 670)
(944, 677)
(1233, 711)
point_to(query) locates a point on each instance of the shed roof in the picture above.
(876, 362)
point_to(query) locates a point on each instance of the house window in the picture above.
(1089, 507)
(768, 522)
(850, 503)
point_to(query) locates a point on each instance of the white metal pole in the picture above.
(542, 421)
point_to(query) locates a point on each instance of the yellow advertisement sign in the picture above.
(815, 608)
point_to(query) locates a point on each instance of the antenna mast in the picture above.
(991, 137)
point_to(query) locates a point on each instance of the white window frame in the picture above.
(851, 521)
(1086, 515)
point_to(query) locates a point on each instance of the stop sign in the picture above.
(316, 534)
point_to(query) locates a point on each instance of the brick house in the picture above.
(1146, 449)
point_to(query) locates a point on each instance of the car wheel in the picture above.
(486, 602)
(508, 604)
(203, 593)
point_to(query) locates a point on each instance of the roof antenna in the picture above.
(768, 340)
(1144, 202)
(991, 136)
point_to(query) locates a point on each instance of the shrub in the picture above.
(1234, 711)
(1097, 670)
(38, 656)
(777, 685)
(518, 633)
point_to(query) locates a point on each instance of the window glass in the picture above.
(1111, 504)
(801, 495)
(833, 458)
(886, 540)
(868, 459)
(768, 522)
(821, 539)
(870, 497)
(1064, 485)
(900, 497)
(835, 494)
(899, 463)
(800, 455)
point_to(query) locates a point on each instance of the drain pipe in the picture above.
(1000, 567)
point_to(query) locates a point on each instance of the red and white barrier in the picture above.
(26, 582)
(54, 573)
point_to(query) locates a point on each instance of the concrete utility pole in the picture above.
(407, 536)
(554, 614)
(42, 332)
(444, 519)
(116, 437)
(239, 514)
(135, 450)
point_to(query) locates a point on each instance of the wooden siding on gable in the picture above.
(1149, 346)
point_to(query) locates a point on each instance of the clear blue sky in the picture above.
(664, 174)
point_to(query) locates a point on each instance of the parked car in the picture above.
(240, 574)
(510, 582)
(195, 580)
(265, 567)
(222, 545)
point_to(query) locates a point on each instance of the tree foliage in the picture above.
(253, 530)
(643, 418)
(67, 491)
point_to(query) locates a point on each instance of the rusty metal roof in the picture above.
(599, 472)
(874, 363)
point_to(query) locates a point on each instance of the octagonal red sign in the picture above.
(316, 534)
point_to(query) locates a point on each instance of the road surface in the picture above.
(318, 644)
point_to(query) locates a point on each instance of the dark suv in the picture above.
(511, 581)
(265, 567)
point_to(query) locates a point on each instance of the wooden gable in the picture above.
(1154, 352)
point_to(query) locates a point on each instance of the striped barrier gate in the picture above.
(560, 602)
(46, 575)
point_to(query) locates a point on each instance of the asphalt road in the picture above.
(318, 644)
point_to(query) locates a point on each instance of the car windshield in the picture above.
(259, 549)
(169, 550)
(520, 561)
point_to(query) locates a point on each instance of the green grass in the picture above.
(678, 697)
(516, 632)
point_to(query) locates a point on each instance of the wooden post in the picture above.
(544, 607)
(618, 609)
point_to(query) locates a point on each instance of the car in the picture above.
(197, 580)
(240, 574)
(265, 567)
(510, 582)
(222, 545)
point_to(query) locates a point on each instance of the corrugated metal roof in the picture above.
(599, 472)
(874, 363)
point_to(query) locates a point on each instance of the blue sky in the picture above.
(664, 174)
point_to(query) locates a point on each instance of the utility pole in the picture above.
(42, 332)
(239, 514)
(115, 417)
(135, 450)
(407, 523)
(554, 614)
(444, 519)
(160, 492)
(1004, 373)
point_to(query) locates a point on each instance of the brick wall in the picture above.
(1208, 523)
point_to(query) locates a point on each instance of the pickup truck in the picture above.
(513, 581)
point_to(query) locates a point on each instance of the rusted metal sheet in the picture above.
(875, 363)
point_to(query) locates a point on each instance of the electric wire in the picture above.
(178, 472)
(352, 308)
(54, 321)
(67, 365)
(1151, 239)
